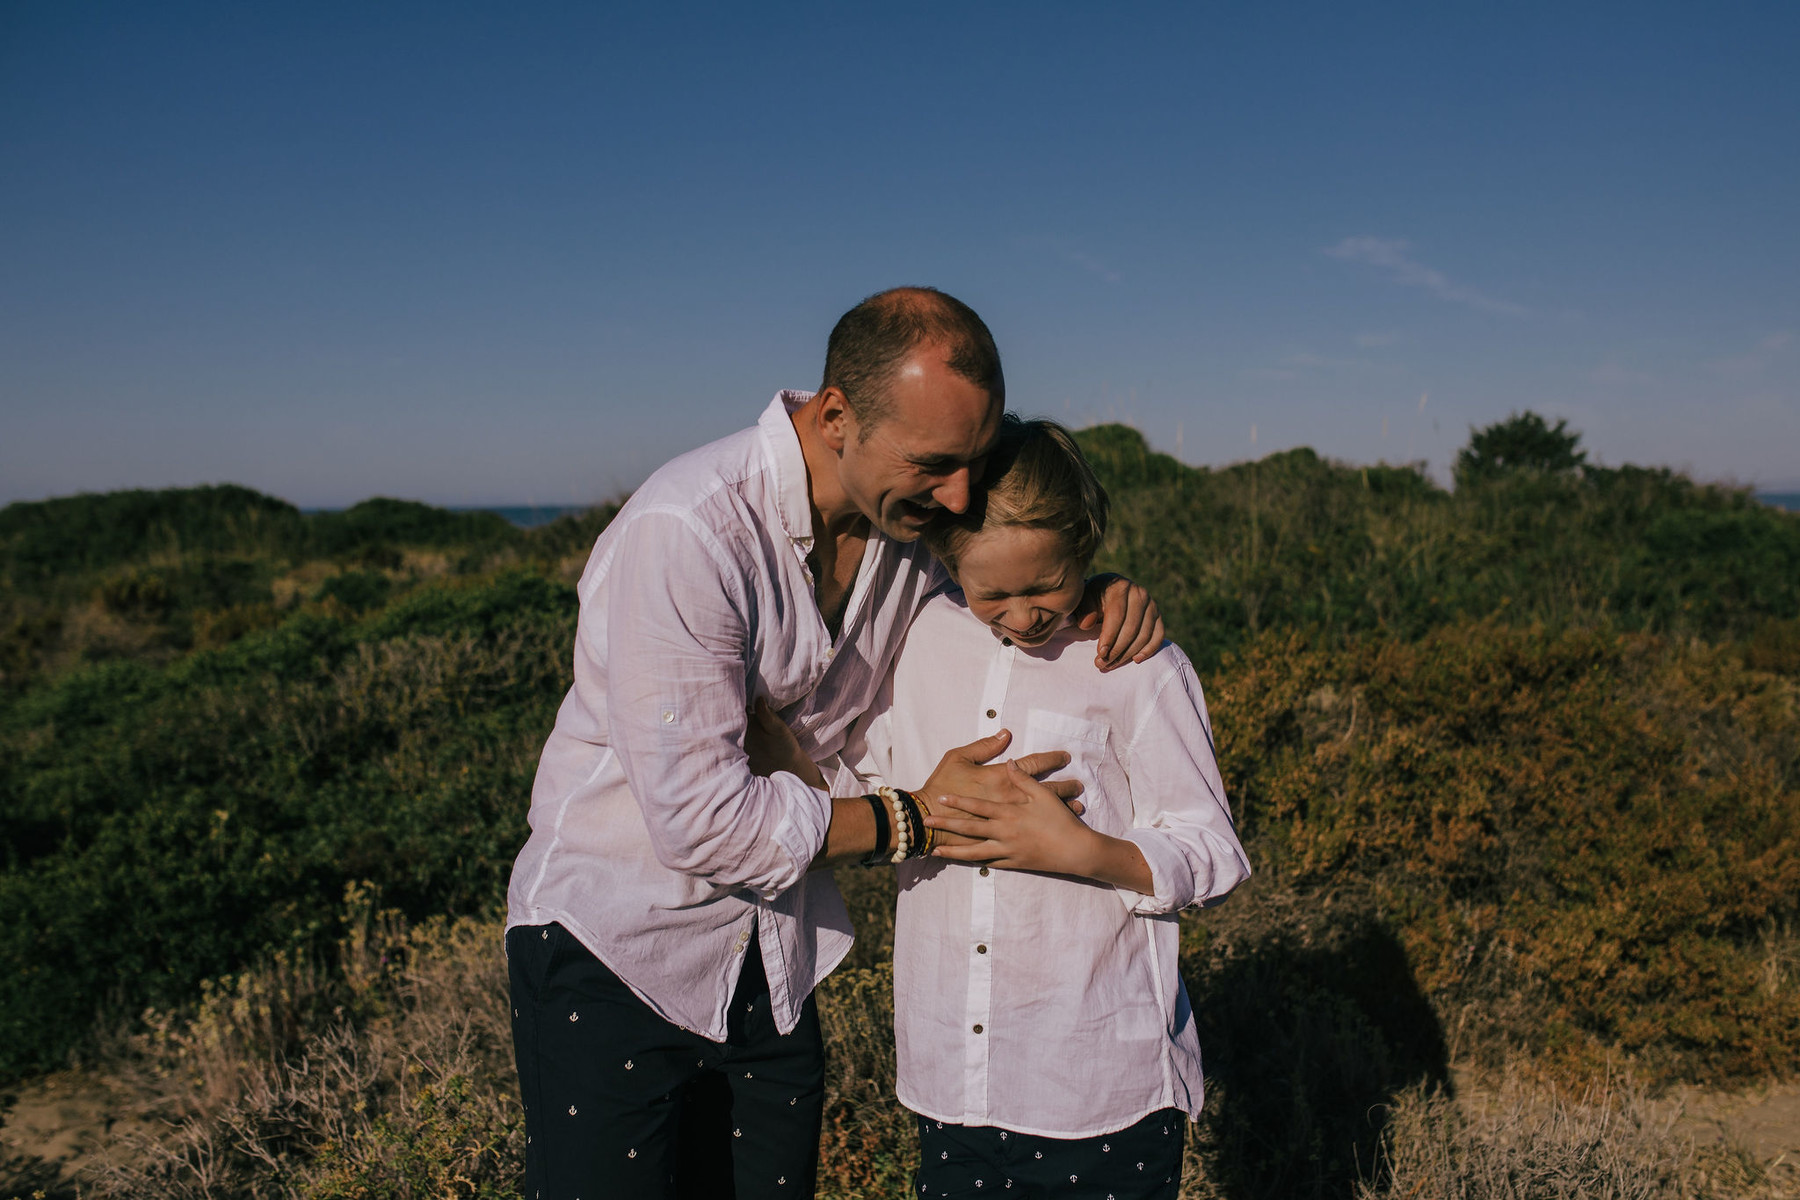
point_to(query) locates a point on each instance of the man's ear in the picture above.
(835, 422)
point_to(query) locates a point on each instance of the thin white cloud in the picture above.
(1088, 262)
(1390, 256)
(1308, 359)
(1756, 360)
(1302, 362)
(1071, 254)
(1613, 375)
(1378, 340)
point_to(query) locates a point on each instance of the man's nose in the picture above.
(953, 493)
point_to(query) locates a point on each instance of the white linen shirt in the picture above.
(651, 841)
(1041, 1003)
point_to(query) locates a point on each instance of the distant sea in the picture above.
(1787, 500)
(528, 516)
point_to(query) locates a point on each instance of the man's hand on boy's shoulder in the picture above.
(1131, 626)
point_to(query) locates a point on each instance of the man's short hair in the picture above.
(870, 341)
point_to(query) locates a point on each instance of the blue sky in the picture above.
(524, 253)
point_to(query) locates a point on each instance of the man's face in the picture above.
(927, 454)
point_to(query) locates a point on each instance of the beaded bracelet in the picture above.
(911, 837)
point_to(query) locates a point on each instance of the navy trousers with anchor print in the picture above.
(621, 1103)
(1140, 1162)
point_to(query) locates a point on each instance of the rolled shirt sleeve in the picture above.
(1181, 821)
(676, 684)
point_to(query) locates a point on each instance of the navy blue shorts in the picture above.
(1140, 1162)
(620, 1103)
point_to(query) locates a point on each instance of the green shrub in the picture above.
(1522, 442)
(1295, 541)
(43, 541)
(1605, 821)
(382, 522)
(163, 825)
(357, 591)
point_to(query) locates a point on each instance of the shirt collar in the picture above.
(793, 500)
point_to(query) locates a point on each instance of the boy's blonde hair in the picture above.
(1036, 478)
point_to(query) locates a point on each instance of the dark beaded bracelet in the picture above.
(883, 835)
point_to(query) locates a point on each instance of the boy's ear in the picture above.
(835, 422)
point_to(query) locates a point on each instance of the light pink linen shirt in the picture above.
(651, 841)
(1040, 1003)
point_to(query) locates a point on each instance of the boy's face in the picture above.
(1020, 582)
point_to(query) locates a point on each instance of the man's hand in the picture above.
(960, 776)
(1039, 834)
(1131, 627)
(773, 747)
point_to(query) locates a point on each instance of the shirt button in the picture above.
(984, 870)
(981, 949)
(992, 714)
(1006, 641)
(668, 718)
(978, 1029)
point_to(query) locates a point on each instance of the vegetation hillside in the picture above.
(1518, 764)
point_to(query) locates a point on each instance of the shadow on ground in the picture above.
(23, 1178)
(1308, 1032)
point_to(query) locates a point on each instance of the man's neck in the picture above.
(835, 516)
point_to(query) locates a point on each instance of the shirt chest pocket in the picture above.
(1084, 742)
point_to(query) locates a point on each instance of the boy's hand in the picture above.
(1131, 626)
(1036, 833)
(773, 747)
(961, 774)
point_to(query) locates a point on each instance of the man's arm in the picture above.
(772, 747)
(676, 643)
(966, 772)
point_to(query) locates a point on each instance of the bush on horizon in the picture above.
(1296, 541)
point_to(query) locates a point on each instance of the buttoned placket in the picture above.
(978, 1027)
(740, 946)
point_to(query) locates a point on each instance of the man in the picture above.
(666, 926)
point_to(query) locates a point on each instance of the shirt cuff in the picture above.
(806, 815)
(842, 781)
(1171, 875)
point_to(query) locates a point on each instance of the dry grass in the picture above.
(390, 1076)
(1528, 1142)
(394, 1080)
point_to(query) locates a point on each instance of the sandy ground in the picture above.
(1765, 1122)
(50, 1128)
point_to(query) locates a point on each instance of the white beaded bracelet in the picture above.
(902, 827)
